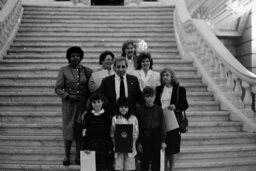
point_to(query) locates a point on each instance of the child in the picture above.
(124, 161)
(151, 139)
(96, 128)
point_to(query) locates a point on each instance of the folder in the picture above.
(124, 138)
(88, 161)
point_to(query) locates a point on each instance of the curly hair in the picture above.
(144, 55)
(104, 54)
(74, 49)
(126, 44)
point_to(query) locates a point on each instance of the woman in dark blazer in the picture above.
(166, 97)
(72, 87)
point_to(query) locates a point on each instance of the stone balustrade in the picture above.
(10, 17)
(232, 84)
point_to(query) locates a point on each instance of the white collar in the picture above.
(98, 113)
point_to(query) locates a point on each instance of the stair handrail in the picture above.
(231, 83)
(10, 18)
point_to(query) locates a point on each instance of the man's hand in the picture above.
(171, 107)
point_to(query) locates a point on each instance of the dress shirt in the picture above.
(117, 85)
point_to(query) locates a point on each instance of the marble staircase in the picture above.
(30, 112)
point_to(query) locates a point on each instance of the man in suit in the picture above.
(112, 87)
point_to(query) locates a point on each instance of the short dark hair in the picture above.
(127, 43)
(148, 91)
(94, 97)
(118, 59)
(144, 55)
(123, 101)
(104, 54)
(74, 49)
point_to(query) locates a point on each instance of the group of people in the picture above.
(124, 90)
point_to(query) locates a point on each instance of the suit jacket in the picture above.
(182, 104)
(134, 93)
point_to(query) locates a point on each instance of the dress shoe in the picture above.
(66, 162)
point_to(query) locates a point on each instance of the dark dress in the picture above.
(98, 137)
(173, 138)
(72, 81)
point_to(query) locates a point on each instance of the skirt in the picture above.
(173, 140)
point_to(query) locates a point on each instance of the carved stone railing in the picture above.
(10, 17)
(231, 83)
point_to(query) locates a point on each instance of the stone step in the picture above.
(93, 10)
(30, 117)
(188, 139)
(51, 79)
(227, 164)
(56, 128)
(84, 17)
(97, 26)
(49, 87)
(238, 164)
(62, 50)
(215, 152)
(25, 38)
(99, 9)
(56, 106)
(51, 96)
(181, 74)
(62, 62)
(207, 115)
(102, 35)
(206, 152)
(90, 56)
(214, 127)
(65, 45)
(95, 30)
(218, 138)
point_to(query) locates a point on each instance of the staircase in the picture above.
(30, 112)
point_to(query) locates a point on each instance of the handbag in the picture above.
(181, 117)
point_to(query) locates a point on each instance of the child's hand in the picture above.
(84, 132)
(171, 107)
(87, 151)
(140, 148)
(163, 146)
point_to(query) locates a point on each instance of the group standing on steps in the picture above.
(125, 90)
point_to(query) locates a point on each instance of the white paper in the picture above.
(88, 162)
(170, 120)
(162, 160)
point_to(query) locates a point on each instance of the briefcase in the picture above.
(123, 138)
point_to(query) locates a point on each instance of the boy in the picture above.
(151, 136)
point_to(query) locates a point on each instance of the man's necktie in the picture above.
(122, 91)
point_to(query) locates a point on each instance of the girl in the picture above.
(96, 127)
(166, 97)
(129, 52)
(124, 161)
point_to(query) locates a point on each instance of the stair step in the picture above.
(51, 96)
(188, 139)
(218, 138)
(232, 164)
(56, 128)
(207, 116)
(211, 152)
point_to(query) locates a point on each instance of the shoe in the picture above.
(77, 161)
(66, 162)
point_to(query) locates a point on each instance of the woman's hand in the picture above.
(171, 107)
(163, 146)
(87, 151)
